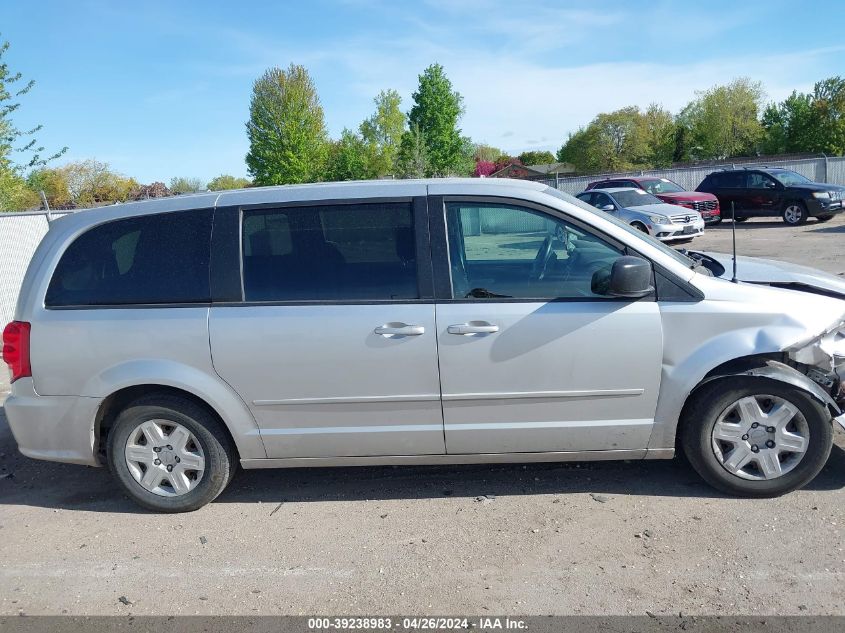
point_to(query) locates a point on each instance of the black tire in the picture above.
(714, 222)
(825, 217)
(706, 405)
(640, 226)
(218, 450)
(740, 219)
(795, 213)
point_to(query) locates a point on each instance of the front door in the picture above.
(764, 194)
(531, 359)
(333, 346)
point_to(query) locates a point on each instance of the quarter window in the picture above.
(502, 251)
(150, 259)
(331, 253)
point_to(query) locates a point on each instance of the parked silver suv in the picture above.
(409, 322)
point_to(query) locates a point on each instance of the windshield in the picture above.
(661, 185)
(634, 198)
(679, 257)
(790, 178)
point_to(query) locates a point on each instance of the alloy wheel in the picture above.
(793, 214)
(760, 437)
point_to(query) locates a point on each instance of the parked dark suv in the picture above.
(773, 192)
(670, 192)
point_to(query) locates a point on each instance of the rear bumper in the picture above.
(53, 428)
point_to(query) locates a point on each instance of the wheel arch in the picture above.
(240, 431)
(769, 365)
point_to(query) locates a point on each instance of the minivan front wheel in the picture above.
(755, 437)
(169, 454)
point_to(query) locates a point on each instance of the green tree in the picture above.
(91, 183)
(15, 195)
(182, 185)
(723, 121)
(436, 111)
(348, 158)
(487, 153)
(790, 126)
(536, 158)
(286, 128)
(612, 141)
(225, 181)
(382, 133)
(413, 161)
(53, 182)
(583, 150)
(829, 115)
(657, 135)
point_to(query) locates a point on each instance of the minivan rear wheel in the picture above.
(755, 437)
(169, 454)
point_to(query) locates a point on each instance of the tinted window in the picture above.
(636, 198)
(729, 180)
(498, 251)
(660, 185)
(150, 259)
(791, 178)
(586, 197)
(757, 180)
(333, 252)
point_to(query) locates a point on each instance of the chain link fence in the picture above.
(821, 169)
(20, 234)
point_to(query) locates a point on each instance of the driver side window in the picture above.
(505, 251)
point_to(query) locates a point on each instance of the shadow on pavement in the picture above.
(829, 229)
(725, 225)
(69, 487)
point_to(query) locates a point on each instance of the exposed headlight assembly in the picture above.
(826, 351)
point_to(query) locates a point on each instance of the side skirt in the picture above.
(483, 458)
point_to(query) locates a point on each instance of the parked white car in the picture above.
(647, 213)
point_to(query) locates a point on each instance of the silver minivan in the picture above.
(411, 322)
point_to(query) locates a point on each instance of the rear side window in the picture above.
(330, 253)
(152, 259)
(728, 180)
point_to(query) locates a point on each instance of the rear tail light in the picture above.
(16, 349)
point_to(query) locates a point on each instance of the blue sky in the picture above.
(161, 89)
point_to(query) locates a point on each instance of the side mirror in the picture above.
(628, 277)
(608, 208)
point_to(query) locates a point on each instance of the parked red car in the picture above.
(705, 203)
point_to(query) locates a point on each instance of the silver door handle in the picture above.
(475, 327)
(400, 329)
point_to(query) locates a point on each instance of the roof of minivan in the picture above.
(289, 193)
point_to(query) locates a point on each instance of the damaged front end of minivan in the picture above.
(822, 359)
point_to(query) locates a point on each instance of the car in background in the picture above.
(646, 213)
(773, 192)
(670, 192)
